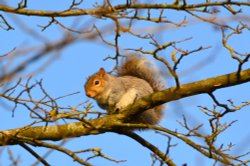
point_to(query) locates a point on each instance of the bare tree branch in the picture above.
(101, 125)
(145, 143)
(34, 154)
(108, 10)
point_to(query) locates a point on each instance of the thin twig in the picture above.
(31, 151)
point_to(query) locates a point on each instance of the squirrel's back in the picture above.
(140, 67)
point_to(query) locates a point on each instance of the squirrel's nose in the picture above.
(89, 94)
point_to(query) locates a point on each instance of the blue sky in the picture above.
(67, 74)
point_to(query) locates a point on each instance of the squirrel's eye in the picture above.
(97, 82)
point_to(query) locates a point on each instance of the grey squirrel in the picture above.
(136, 77)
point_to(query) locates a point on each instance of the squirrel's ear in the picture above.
(102, 72)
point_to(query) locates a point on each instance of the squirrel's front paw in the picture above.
(127, 98)
(120, 105)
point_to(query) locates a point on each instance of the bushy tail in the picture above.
(141, 67)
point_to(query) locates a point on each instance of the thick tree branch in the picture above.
(199, 87)
(108, 123)
(112, 9)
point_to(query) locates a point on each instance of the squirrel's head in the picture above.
(95, 84)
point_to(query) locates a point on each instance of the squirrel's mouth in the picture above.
(91, 94)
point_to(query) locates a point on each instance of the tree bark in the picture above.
(108, 123)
